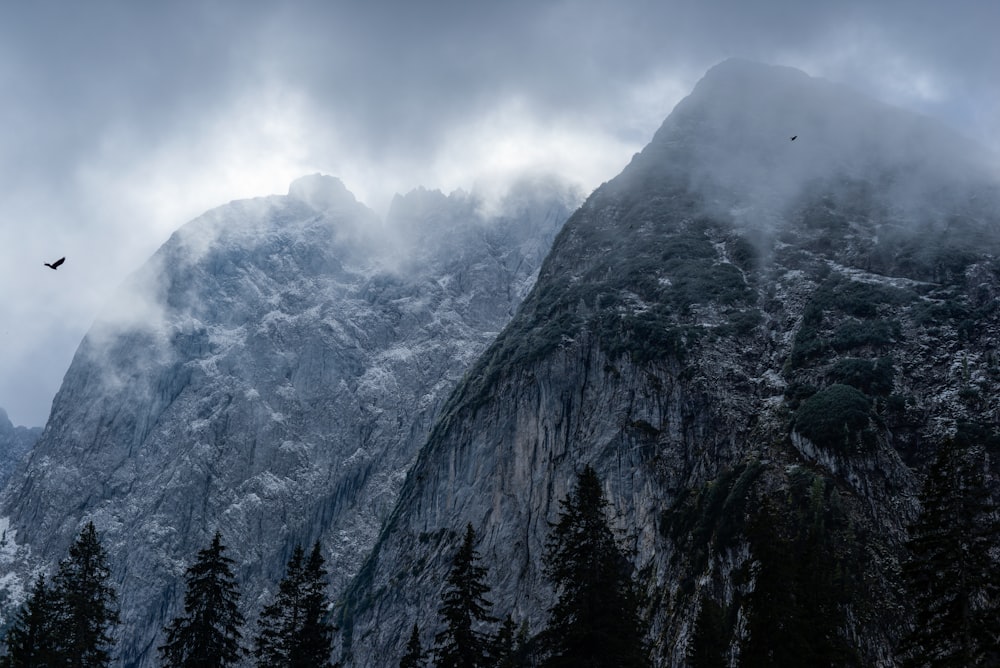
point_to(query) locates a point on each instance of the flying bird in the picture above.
(55, 265)
(794, 137)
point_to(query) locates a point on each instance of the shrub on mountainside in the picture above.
(834, 417)
(873, 377)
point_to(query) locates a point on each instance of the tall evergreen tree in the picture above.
(31, 641)
(710, 639)
(773, 637)
(414, 657)
(294, 629)
(208, 634)
(950, 575)
(595, 621)
(510, 645)
(281, 617)
(316, 633)
(803, 568)
(86, 603)
(463, 607)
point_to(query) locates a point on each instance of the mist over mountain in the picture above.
(759, 344)
(270, 373)
(762, 346)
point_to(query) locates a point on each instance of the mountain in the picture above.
(758, 344)
(14, 443)
(270, 373)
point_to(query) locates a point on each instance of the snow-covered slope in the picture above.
(270, 373)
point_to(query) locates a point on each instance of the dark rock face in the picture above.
(734, 312)
(271, 373)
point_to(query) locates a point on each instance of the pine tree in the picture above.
(294, 630)
(414, 657)
(31, 640)
(463, 605)
(316, 633)
(510, 645)
(797, 609)
(710, 640)
(280, 618)
(825, 582)
(86, 604)
(208, 634)
(772, 637)
(950, 575)
(595, 621)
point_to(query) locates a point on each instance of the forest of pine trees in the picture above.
(805, 577)
(594, 623)
(795, 613)
(950, 576)
(294, 629)
(69, 622)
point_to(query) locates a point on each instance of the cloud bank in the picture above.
(122, 121)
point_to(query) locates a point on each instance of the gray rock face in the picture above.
(14, 443)
(271, 373)
(686, 313)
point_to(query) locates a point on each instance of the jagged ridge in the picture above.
(271, 373)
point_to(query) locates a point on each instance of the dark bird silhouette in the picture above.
(794, 137)
(55, 265)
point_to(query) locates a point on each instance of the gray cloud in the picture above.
(124, 120)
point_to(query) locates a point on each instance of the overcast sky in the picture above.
(123, 120)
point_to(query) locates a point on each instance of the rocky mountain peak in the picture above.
(731, 142)
(321, 192)
(270, 374)
(420, 201)
(736, 322)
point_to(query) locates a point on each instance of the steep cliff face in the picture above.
(14, 444)
(738, 321)
(271, 373)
